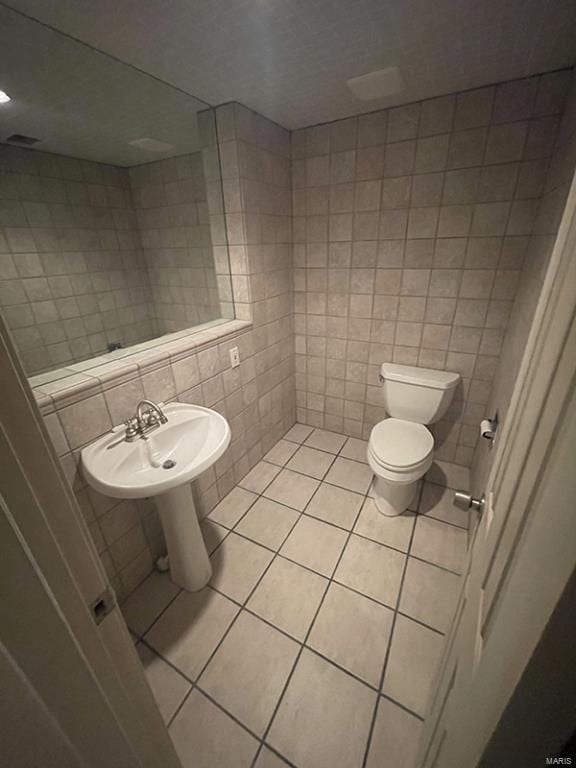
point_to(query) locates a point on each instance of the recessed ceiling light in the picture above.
(377, 84)
(152, 145)
(4, 98)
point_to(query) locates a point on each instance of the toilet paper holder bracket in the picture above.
(489, 427)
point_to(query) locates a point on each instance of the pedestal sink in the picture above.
(161, 464)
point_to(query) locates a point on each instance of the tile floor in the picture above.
(317, 639)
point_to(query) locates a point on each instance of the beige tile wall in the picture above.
(547, 220)
(257, 398)
(72, 277)
(171, 207)
(411, 226)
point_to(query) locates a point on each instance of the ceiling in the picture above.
(289, 59)
(84, 104)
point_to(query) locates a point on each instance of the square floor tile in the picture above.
(310, 461)
(205, 737)
(350, 475)
(372, 569)
(169, 687)
(267, 759)
(237, 565)
(232, 507)
(437, 502)
(355, 449)
(249, 670)
(298, 433)
(440, 543)
(429, 594)
(335, 505)
(448, 474)
(281, 452)
(392, 531)
(259, 477)
(414, 656)
(395, 737)
(288, 596)
(324, 717)
(213, 534)
(291, 488)
(268, 522)
(326, 441)
(190, 629)
(353, 631)
(148, 601)
(314, 544)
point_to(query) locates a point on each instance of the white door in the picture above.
(524, 546)
(77, 691)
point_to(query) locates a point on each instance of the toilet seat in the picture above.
(400, 446)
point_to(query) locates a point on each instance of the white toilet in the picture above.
(401, 449)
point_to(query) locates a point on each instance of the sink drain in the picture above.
(168, 464)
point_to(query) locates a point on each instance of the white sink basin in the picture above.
(162, 464)
(171, 455)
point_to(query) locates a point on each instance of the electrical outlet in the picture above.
(234, 357)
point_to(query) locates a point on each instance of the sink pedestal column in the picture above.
(190, 566)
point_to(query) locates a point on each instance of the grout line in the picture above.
(307, 635)
(401, 706)
(390, 640)
(243, 607)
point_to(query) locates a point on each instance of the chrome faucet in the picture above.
(149, 415)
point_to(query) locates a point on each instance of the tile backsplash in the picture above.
(411, 226)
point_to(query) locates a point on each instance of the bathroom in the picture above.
(326, 304)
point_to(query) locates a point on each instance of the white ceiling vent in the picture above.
(377, 84)
(151, 145)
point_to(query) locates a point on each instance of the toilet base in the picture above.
(392, 499)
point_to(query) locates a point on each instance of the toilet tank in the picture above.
(417, 394)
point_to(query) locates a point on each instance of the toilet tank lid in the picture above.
(422, 377)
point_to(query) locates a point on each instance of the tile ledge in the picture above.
(109, 370)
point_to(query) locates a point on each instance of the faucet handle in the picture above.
(131, 428)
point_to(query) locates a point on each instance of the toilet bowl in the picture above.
(401, 448)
